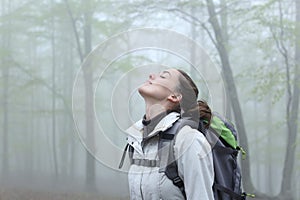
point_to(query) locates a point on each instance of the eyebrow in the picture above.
(166, 72)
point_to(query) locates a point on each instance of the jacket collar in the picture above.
(135, 132)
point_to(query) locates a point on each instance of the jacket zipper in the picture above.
(141, 190)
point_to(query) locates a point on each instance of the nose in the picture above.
(151, 76)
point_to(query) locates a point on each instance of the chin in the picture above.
(142, 92)
(140, 89)
(146, 92)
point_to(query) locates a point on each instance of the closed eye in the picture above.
(164, 74)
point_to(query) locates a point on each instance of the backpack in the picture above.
(222, 137)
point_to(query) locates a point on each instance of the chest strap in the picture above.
(145, 162)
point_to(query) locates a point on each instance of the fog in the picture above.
(70, 71)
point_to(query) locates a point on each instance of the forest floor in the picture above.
(45, 188)
(42, 187)
(30, 194)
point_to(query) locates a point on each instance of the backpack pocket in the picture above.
(236, 179)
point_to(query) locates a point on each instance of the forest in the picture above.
(69, 75)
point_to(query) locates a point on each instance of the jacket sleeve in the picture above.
(195, 164)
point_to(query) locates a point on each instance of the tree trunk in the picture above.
(88, 79)
(68, 150)
(5, 72)
(73, 144)
(90, 161)
(232, 92)
(53, 95)
(269, 155)
(193, 33)
(292, 118)
(224, 28)
(6, 45)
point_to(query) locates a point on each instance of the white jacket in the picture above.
(194, 160)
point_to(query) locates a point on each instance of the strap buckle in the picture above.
(178, 182)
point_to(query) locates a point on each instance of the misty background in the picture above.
(63, 120)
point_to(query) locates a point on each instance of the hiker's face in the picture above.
(160, 86)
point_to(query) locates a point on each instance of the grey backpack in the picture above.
(222, 137)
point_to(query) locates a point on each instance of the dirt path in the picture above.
(28, 194)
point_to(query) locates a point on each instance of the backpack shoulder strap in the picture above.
(130, 151)
(123, 156)
(168, 163)
(167, 141)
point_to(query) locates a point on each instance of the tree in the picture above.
(220, 42)
(284, 36)
(53, 93)
(88, 80)
(292, 107)
(5, 65)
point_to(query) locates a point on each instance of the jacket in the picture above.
(194, 160)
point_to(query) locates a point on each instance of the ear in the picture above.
(175, 98)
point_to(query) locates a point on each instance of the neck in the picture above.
(154, 109)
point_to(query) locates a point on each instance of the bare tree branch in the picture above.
(47, 85)
(277, 43)
(202, 24)
(286, 60)
(73, 21)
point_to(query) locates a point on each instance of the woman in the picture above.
(168, 96)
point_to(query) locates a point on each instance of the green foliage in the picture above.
(278, 32)
(269, 83)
